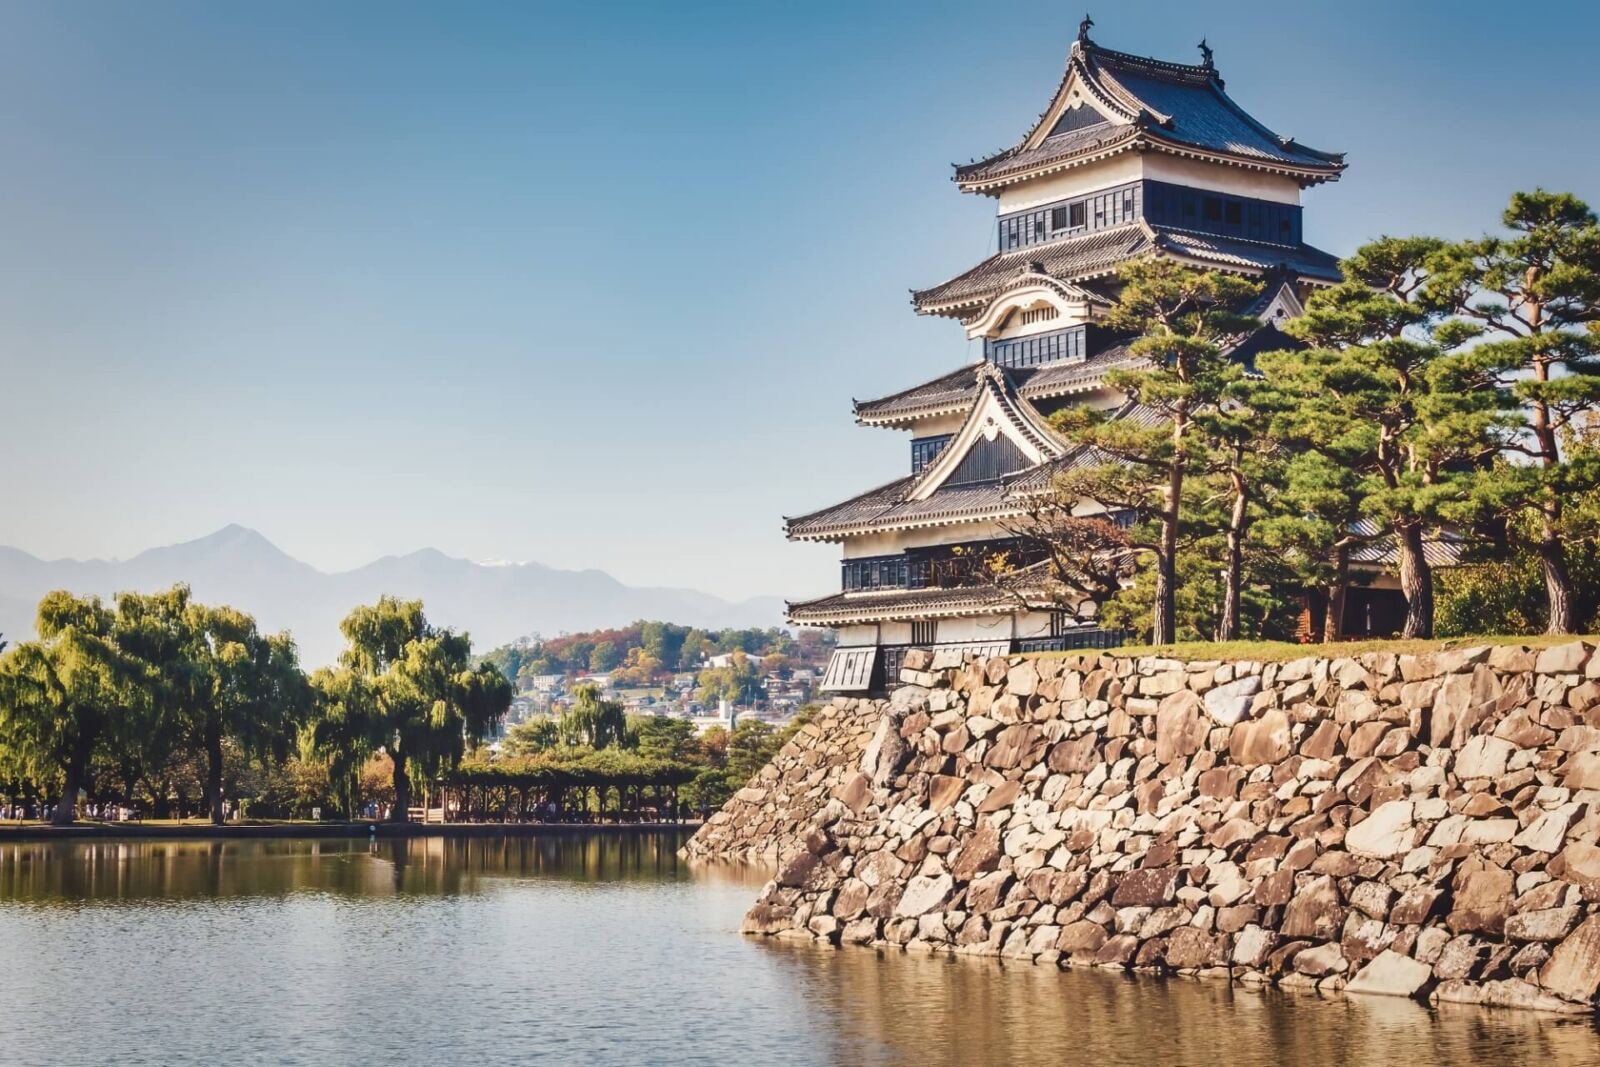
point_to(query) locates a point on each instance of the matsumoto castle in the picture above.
(1133, 157)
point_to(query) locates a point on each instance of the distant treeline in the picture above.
(648, 650)
(164, 706)
(156, 701)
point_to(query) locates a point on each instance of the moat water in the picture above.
(591, 949)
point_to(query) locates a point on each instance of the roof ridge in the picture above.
(1195, 71)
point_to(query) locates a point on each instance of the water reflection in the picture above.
(595, 949)
(892, 1007)
(80, 872)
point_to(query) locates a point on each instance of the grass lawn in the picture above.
(1281, 651)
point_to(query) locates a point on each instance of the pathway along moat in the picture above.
(594, 949)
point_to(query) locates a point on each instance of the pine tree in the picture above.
(1185, 319)
(1380, 391)
(1530, 296)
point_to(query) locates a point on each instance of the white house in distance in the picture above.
(1132, 157)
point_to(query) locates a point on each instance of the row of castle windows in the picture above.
(1163, 204)
(1031, 351)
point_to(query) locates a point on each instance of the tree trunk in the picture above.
(1558, 590)
(214, 775)
(1233, 578)
(1333, 620)
(67, 807)
(1164, 613)
(1416, 581)
(402, 790)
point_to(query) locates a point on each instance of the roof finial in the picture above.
(1084, 27)
(1205, 55)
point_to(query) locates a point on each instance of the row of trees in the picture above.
(721, 760)
(125, 700)
(1444, 394)
(648, 651)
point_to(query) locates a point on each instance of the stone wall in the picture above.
(768, 819)
(1425, 826)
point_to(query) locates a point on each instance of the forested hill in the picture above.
(644, 651)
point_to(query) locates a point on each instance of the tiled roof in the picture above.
(955, 391)
(1053, 149)
(1103, 251)
(873, 510)
(1100, 252)
(948, 392)
(1303, 260)
(1059, 379)
(1039, 479)
(888, 507)
(1440, 548)
(872, 502)
(1149, 102)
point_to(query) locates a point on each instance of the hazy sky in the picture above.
(594, 284)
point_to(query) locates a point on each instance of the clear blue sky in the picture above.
(594, 284)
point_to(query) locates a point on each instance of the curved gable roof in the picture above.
(1149, 102)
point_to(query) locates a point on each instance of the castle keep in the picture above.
(1132, 157)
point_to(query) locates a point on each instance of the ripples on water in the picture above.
(595, 949)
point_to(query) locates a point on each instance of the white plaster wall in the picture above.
(895, 633)
(1221, 179)
(1034, 624)
(858, 635)
(1157, 166)
(974, 629)
(939, 424)
(1088, 178)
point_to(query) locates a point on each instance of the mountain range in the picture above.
(495, 602)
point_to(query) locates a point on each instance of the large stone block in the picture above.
(1264, 740)
(1181, 726)
(1573, 971)
(1391, 974)
(1387, 832)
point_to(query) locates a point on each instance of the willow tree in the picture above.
(1535, 299)
(237, 685)
(60, 696)
(1186, 319)
(417, 688)
(344, 730)
(593, 722)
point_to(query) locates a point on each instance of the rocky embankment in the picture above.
(1424, 826)
(768, 819)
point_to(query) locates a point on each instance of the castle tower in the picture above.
(1133, 157)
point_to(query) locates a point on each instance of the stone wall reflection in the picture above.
(894, 1007)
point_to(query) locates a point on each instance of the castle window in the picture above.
(1044, 314)
(924, 632)
(1213, 209)
(925, 449)
(1235, 213)
(1058, 218)
(1076, 214)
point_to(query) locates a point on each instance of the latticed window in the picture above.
(1043, 314)
(924, 632)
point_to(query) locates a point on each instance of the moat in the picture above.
(596, 949)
